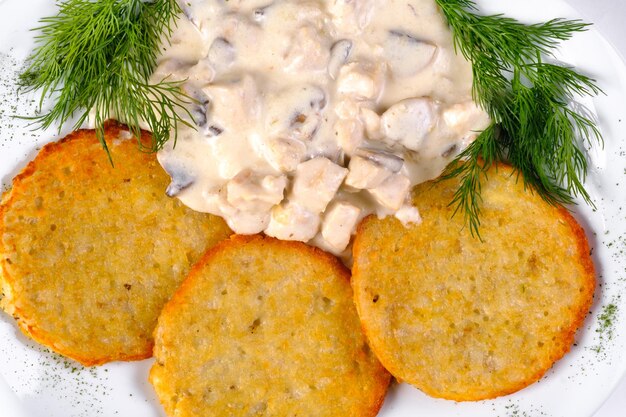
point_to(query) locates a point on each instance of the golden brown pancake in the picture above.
(265, 327)
(467, 320)
(91, 252)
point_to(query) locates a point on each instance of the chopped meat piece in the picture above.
(372, 123)
(366, 174)
(291, 221)
(353, 15)
(248, 191)
(409, 122)
(349, 134)
(408, 214)
(339, 224)
(316, 182)
(284, 154)
(463, 117)
(232, 102)
(309, 51)
(362, 80)
(392, 193)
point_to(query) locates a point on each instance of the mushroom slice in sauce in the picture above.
(198, 114)
(451, 150)
(221, 54)
(200, 12)
(406, 54)
(388, 160)
(181, 178)
(188, 12)
(339, 54)
(409, 122)
(214, 131)
(259, 14)
(296, 112)
(199, 107)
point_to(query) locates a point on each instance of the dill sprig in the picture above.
(96, 57)
(536, 125)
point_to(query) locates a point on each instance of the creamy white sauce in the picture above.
(311, 115)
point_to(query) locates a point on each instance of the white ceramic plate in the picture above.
(37, 383)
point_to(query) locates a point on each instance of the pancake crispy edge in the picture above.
(408, 254)
(40, 206)
(267, 374)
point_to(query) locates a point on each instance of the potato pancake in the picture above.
(468, 320)
(91, 252)
(265, 327)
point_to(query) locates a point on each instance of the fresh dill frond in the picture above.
(471, 165)
(536, 125)
(97, 57)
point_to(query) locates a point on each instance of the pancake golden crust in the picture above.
(89, 253)
(465, 320)
(265, 327)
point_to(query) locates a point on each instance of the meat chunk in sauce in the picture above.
(316, 182)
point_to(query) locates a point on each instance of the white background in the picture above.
(609, 17)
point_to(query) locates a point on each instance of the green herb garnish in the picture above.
(606, 325)
(98, 56)
(536, 126)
